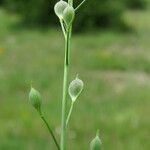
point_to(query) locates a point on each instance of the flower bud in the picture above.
(35, 99)
(59, 8)
(75, 88)
(68, 15)
(96, 143)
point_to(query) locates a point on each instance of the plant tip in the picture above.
(59, 8)
(68, 15)
(96, 143)
(35, 99)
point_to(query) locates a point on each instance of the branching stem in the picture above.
(65, 89)
(65, 83)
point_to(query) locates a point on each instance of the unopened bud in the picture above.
(59, 8)
(35, 99)
(68, 15)
(75, 88)
(96, 143)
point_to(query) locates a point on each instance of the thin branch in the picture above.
(50, 131)
(69, 114)
(80, 5)
(63, 28)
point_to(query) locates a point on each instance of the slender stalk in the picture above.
(63, 28)
(80, 5)
(50, 131)
(65, 84)
(65, 88)
(69, 114)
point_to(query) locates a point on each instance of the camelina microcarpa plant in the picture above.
(65, 12)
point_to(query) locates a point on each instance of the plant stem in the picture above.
(80, 5)
(63, 28)
(50, 131)
(65, 88)
(69, 114)
(65, 84)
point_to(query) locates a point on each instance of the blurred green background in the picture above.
(110, 52)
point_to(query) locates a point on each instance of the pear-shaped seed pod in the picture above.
(35, 99)
(68, 15)
(96, 143)
(75, 88)
(60, 7)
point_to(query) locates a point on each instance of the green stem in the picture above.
(50, 131)
(65, 85)
(65, 89)
(69, 114)
(63, 28)
(80, 5)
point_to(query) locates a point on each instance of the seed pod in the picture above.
(68, 15)
(35, 99)
(96, 143)
(59, 8)
(75, 88)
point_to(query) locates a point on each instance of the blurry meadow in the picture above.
(114, 66)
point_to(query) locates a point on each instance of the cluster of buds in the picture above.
(65, 12)
(74, 90)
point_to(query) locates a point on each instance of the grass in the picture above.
(115, 68)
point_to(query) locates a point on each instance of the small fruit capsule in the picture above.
(35, 99)
(96, 143)
(59, 8)
(68, 15)
(75, 88)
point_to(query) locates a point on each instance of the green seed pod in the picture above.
(68, 15)
(96, 143)
(59, 8)
(35, 99)
(75, 88)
